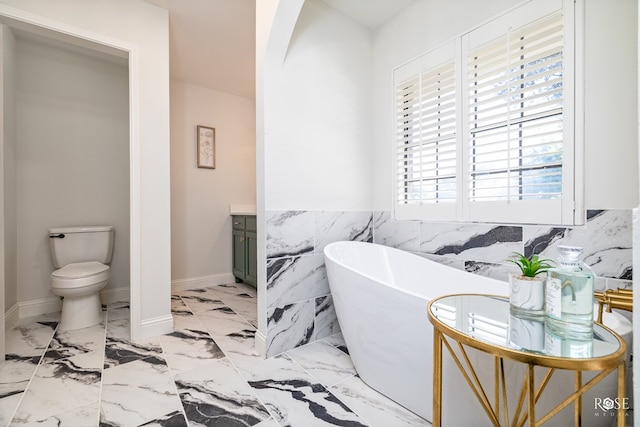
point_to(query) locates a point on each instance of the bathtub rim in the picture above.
(400, 252)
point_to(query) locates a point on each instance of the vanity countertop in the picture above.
(242, 209)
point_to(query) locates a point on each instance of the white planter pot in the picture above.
(526, 295)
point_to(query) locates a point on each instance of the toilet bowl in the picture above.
(81, 255)
(79, 284)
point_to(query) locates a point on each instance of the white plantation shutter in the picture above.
(515, 107)
(426, 146)
(487, 134)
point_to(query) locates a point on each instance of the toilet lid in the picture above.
(80, 269)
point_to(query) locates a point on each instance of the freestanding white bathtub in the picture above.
(380, 296)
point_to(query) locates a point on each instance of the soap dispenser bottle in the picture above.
(569, 296)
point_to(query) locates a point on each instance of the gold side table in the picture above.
(484, 322)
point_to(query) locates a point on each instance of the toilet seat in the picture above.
(79, 274)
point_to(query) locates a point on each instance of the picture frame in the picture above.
(206, 147)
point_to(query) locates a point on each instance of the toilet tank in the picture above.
(81, 244)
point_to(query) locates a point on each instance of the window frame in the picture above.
(567, 210)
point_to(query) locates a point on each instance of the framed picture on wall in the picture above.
(206, 147)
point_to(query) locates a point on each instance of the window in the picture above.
(485, 124)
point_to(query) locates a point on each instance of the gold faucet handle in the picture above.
(614, 298)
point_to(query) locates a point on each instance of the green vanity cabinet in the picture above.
(245, 257)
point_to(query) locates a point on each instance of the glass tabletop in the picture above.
(485, 321)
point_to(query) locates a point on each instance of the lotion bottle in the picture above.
(569, 296)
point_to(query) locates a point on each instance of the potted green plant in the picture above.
(526, 288)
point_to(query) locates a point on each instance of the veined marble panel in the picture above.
(244, 305)
(445, 260)
(268, 423)
(289, 326)
(222, 321)
(200, 299)
(24, 346)
(216, 394)
(480, 242)
(8, 405)
(30, 337)
(79, 341)
(239, 346)
(327, 364)
(537, 240)
(233, 290)
(403, 235)
(172, 419)
(83, 416)
(337, 226)
(118, 310)
(489, 269)
(138, 392)
(16, 374)
(60, 386)
(618, 284)
(606, 240)
(289, 233)
(292, 279)
(185, 319)
(336, 340)
(177, 305)
(119, 349)
(296, 399)
(187, 349)
(25, 342)
(326, 322)
(373, 407)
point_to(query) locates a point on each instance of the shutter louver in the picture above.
(516, 115)
(426, 137)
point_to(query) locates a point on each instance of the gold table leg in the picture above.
(577, 407)
(437, 378)
(621, 393)
(532, 395)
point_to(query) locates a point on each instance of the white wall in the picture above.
(9, 176)
(200, 198)
(636, 264)
(72, 156)
(8, 220)
(611, 134)
(317, 131)
(141, 30)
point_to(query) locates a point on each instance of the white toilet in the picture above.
(81, 255)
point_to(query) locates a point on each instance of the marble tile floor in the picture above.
(205, 373)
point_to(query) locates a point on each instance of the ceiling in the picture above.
(212, 42)
(370, 13)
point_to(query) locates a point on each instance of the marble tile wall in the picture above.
(483, 248)
(300, 309)
(299, 305)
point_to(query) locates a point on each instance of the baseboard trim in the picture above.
(155, 326)
(39, 306)
(201, 282)
(12, 315)
(261, 343)
(109, 296)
